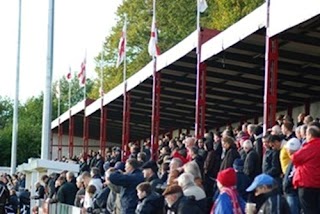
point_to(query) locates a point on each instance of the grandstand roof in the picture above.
(235, 78)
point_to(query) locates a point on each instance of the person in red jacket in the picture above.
(307, 171)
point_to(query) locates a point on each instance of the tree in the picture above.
(29, 131)
(6, 111)
(175, 21)
(77, 94)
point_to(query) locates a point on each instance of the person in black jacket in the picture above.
(40, 192)
(67, 191)
(177, 203)
(231, 152)
(150, 202)
(252, 164)
(150, 170)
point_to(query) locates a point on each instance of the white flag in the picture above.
(202, 5)
(58, 93)
(122, 45)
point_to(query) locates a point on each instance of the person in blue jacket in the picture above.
(228, 201)
(128, 182)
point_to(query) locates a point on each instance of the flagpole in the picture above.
(16, 102)
(124, 113)
(69, 92)
(47, 102)
(58, 94)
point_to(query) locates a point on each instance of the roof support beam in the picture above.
(125, 124)
(271, 83)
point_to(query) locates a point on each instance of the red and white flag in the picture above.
(122, 44)
(153, 47)
(82, 73)
(69, 75)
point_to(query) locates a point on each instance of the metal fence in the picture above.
(58, 208)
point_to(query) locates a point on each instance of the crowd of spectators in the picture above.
(240, 170)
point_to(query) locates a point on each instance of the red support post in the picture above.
(155, 120)
(125, 126)
(59, 140)
(271, 83)
(200, 116)
(103, 124)
(85, 136)
(71, 134)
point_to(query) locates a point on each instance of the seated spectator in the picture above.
(228, 200)
(265, 187)
(150, 202)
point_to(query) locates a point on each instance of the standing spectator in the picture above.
(150, 202)
(307, 174)
(290, 193)
(231, 152)
(275, 170)
(78, 201)
(243, 181)
(267, 158)
(228, 201)
(49, 184)
(252, 164)
(257, 144)
(67, 191)
(128, 182)
(150, 170)
(40, 192)
(96, 178)
(286, 130)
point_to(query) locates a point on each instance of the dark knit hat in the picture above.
(227, 177)
(238, 164)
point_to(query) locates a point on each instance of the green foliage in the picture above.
(77, 94)
(6, 111)
(29, 131)
(175, 21)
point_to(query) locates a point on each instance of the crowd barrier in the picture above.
(58, 208)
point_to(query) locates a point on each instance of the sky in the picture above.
(80, 27)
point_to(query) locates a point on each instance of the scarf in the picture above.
(233, 195)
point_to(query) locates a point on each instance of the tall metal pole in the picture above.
(47, 104)
(16, 102)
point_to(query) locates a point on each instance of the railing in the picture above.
(58, 208)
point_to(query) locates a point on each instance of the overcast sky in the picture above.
(79, 25)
